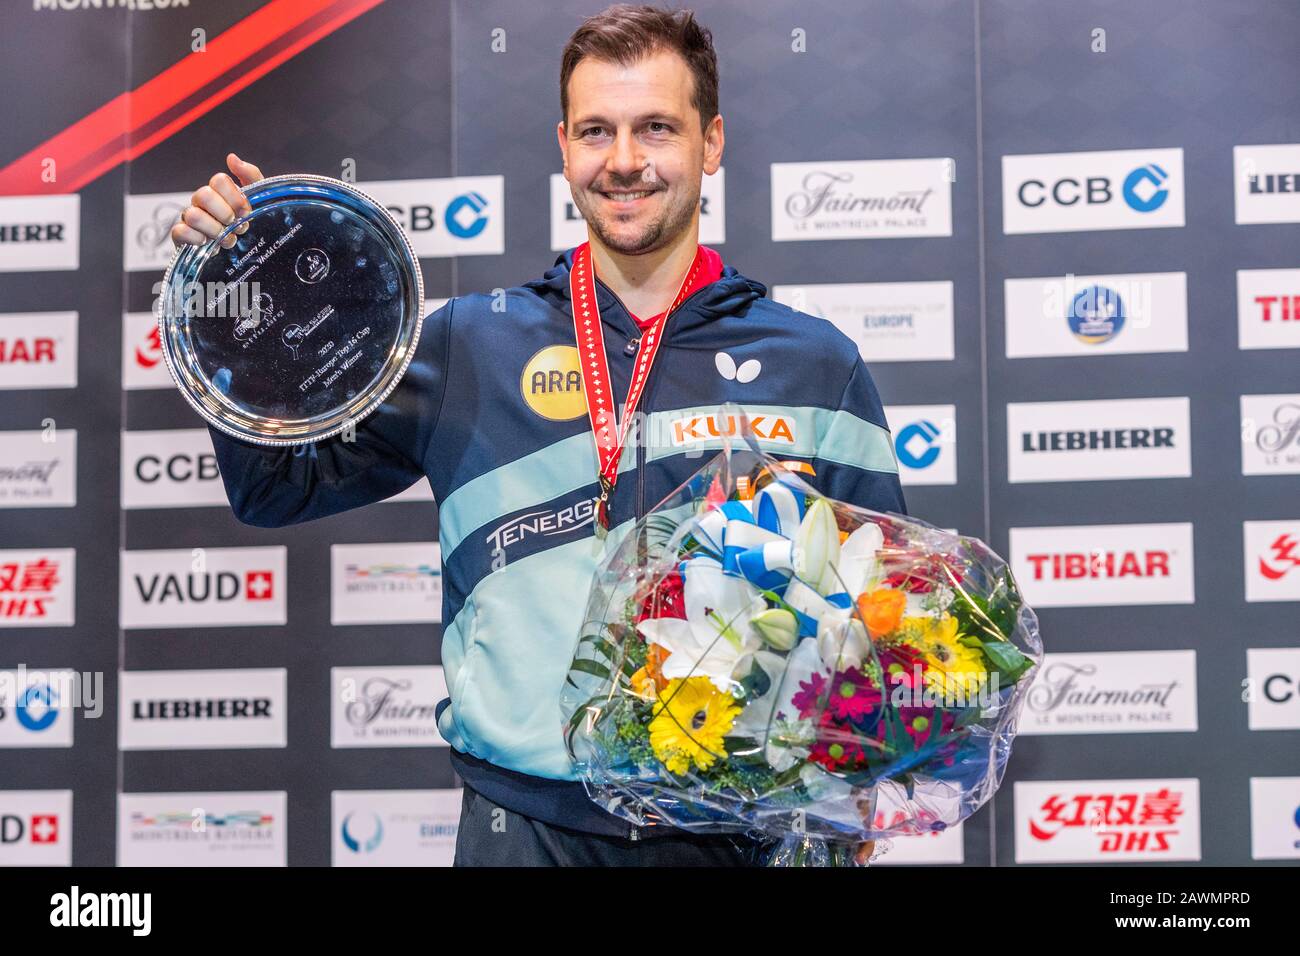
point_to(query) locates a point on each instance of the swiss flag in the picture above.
(257, 585)
(45, 828)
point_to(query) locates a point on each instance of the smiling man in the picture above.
(504, 411)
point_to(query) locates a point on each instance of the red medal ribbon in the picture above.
(611, 436)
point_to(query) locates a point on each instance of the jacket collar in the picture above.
(732, 293)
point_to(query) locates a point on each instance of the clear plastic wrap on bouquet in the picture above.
(757, 658)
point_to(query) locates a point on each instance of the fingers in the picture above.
(247, 172)
(183, 234)
(225, 188)
(209, 215)
(863, 856)
(217, 205)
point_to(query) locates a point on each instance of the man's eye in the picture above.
(664, 126)
(592, 129)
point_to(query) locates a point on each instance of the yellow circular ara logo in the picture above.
(552, 383)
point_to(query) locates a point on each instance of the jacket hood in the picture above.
(732, 293)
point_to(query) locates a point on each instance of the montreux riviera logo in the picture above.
(1096, 315)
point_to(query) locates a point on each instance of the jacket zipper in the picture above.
(634, 832)
(646, 395)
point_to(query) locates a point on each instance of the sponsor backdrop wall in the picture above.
(1063, 235)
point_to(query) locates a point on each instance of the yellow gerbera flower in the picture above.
(689, 722)
(952, 665)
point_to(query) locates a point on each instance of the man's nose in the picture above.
(625, 158)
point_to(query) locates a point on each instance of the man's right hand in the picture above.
(215, 206)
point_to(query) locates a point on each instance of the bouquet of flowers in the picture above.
(757, 658)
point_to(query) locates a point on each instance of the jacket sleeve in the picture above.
(855, 459)
(274, 486)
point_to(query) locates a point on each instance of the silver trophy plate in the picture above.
(302, 328)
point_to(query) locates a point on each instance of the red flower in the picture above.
(898, 666)
(918, 722)
(921, 579)
(666, 600)
(837, 748)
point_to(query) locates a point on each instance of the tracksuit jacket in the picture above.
(515, 479)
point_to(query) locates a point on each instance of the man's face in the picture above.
(634, 152)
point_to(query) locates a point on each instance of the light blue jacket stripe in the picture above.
(850, 440)
(546, 474)
(565, 466)
(831, 434)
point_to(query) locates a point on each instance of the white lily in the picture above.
(841, 639)
(817, 547)
(785, 739)
(777, 627)
(716, 634)
(859, 565)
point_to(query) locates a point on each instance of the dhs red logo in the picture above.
(30, 590)
(1102, 821)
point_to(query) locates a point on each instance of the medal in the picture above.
(610, 436)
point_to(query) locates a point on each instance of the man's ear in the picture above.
(714, 140)
(563, 140)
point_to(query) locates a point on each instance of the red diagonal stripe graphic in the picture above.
(136, 121)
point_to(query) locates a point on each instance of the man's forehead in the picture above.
(660, 83)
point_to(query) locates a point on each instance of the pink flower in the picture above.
(809, 695)
(852, 696)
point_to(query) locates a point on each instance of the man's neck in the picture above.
(646, 284)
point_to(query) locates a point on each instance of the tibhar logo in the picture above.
(131, 910)
(1278, 308)
(545, 523)
(1099, 564)
(32, 350)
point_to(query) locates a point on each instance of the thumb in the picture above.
(245, 172)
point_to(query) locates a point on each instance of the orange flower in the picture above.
(881, 610)
(649, 680)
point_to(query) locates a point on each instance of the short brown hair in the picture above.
(624, 33)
